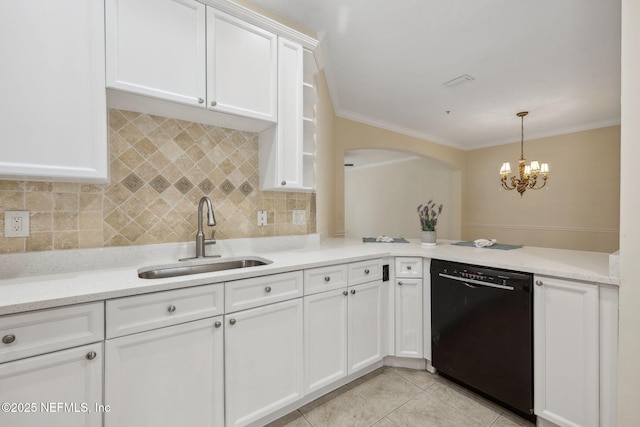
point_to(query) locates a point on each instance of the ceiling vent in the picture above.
(458, 80)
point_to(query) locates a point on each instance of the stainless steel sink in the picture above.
(175, 270)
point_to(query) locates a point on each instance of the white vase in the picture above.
(428, 238)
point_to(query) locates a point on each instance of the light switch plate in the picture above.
(16, 224)
(299, 217)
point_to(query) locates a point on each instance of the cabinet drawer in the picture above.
(39, 332)
(365, 271)
(257, 291)
(144, 312)
(409, 267)
(325, 278)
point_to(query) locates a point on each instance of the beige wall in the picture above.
(578, 209)
(629, 350)
(352, 135)
(159, 170)
(325, 154)
(383, 199)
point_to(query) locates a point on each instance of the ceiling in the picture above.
(386, 62)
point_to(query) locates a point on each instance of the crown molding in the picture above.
(253, 17)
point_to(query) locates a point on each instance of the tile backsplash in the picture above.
(160, 168)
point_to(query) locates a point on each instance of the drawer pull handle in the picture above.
(399, 282)
(217, 324)
(345, 293)
(200, 100)
(232, 321)
(8, 339)
(171, 308)
(91, 355)
(539, 282)
(353, 291)
(267, 289)
(366, 271)
(327, 278)
(408, 267)
(214, 103)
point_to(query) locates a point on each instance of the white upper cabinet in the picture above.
(53, 106)
(183, 51)
(157, 48)
(242, 67)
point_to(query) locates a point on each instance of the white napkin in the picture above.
(385, 239)
(483, 243)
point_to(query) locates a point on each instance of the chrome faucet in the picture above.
(200, 240)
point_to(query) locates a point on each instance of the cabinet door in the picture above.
(325, 338)
(408, 317)
(166, 377)
(566, 349)
(157, 48)
(65, 387)
(290, 143)
(241, 67)
(365, 324)
(263, 364)
(53, 103)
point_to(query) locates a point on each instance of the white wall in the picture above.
(383, 199)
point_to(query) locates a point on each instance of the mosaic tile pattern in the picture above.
(160, 168)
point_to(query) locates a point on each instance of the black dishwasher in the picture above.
(482, 331)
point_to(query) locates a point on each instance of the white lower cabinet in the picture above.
(170, 376)
(325, 338)
(365, 325)
(408, 317)
(566, 352)
(263, 360)
(59, 389)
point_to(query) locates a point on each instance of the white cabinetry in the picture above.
(263, 364)
(287, 151)
(366, 314)
(344, 324)
(168, 376)
(53, 106)
(242, 67)
(408, 308)
(157, 48)
(183, 51)
(571, 320)
(72, 376)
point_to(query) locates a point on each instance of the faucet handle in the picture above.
(211, 241)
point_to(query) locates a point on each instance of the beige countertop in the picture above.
(34, 281)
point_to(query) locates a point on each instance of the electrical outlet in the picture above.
(16, 224)
(299, 217)
(262, 218)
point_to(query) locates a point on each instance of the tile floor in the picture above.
(391, 397)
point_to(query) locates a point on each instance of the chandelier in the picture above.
(528, 174)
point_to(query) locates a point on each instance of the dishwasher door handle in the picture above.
(476, 282)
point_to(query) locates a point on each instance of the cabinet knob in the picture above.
(267, 289)
(408, 267)
(345, 293)
(327, 278)
(539, 282)
(283, 183)
(171, 308)
(217, 324)
(399, 282)
(8, 339)
(353, 291)
(366, 271)
(232, 321)
(214, 103)
(91, 355)
(200, 101)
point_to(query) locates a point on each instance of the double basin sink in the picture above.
(184, 269)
